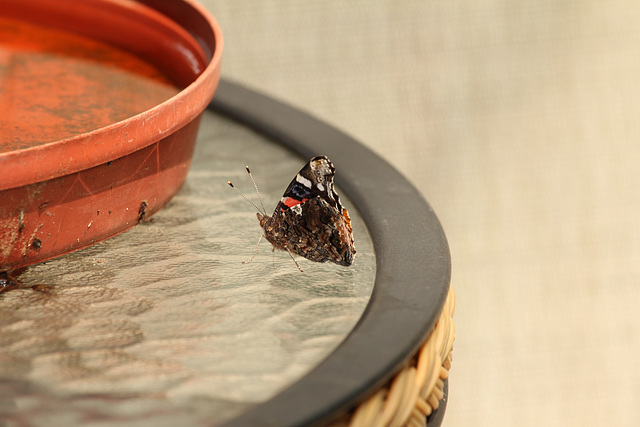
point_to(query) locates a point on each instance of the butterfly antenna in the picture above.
(256, 187)
(244, 197)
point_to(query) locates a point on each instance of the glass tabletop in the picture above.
(164, 323)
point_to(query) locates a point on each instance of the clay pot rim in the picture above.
(80, 152)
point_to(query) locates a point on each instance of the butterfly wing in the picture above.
(319, 233)
(309, 220)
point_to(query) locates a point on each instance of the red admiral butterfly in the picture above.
(309, 220)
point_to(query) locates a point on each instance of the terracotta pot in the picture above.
(100, 104)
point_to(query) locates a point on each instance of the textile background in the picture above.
(518, 121)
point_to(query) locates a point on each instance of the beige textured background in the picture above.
(518, 122)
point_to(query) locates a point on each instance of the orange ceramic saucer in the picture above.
(100, 103)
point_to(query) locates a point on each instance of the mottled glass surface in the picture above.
(163, 324)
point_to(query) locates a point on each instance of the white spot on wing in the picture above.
(304, 181)
(320, 186)
(297, 209)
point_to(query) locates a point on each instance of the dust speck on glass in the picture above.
(164, 322)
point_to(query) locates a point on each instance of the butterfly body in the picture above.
(309, 220)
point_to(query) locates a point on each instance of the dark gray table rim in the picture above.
(412, 257)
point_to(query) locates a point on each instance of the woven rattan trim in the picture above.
(415, 392)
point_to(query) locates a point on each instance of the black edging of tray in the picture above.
(412, 260)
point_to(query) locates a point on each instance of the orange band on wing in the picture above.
(291, 202)
(345, 214)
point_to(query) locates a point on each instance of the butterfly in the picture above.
(309, 219)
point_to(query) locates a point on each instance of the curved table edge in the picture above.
(412, 281)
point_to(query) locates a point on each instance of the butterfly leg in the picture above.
(296, 262)
(254, 252)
